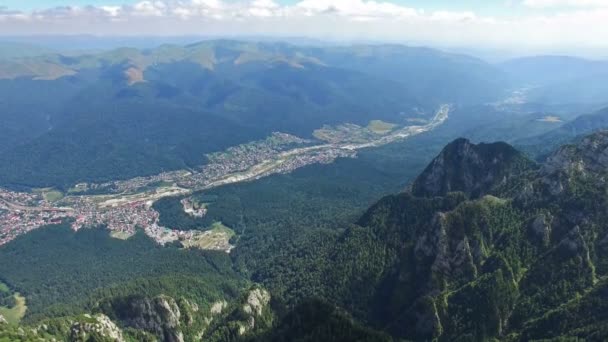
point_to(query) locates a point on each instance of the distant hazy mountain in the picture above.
(426, 72)
(544, 70)
(13, 50)
(543, 144)
(560, 79)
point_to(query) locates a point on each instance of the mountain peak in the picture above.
(586, 160)
(474, 169)
(590, 154)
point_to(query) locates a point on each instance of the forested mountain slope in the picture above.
(525, 253)
(517, 252)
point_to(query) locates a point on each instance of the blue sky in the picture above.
(496, 8)
(541, 25)
(27, 5)
(489, 7)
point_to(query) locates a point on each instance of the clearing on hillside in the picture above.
(217, 238)
(15, 314)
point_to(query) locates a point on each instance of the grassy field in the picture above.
(219, 227)
(217, 238)
(15, 314)
(50, 194)
(380, 127)
(550, 118)
(53, 196)
(120, 235)
(4, 288)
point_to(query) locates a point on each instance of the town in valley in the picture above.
(125, 206)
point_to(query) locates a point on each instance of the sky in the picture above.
(541, 25)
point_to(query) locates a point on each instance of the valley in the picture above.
(125, 206)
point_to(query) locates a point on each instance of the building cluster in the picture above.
(240, 158)
(18, 222)
(192, 208)
(326, 156)
(125, 218)
(21, 212)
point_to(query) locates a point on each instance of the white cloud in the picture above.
(565, 3)
(453, 16)
(113, 11)
(355, 8)
(149, 8)
(327, 19)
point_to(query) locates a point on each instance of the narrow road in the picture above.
(267, 166)
(14, 206)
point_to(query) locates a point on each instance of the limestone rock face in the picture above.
(256, 301)
(251, 314)
(540, 228)
(587, 159)
(159, 315)
(94, 327)
(254, 305)
(218, 307)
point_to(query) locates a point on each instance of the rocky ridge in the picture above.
(95, 327)
(520, 241)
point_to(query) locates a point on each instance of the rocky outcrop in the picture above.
(587, 159)
(93, 328)
(159, 315)
(3, 320)
(473, 169)
(257, 300)
(249, 315)
(218, 307)
(540, 228)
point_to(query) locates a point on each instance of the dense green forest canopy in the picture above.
(60, 272)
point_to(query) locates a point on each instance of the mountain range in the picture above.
(559, 79)
(104, 116)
